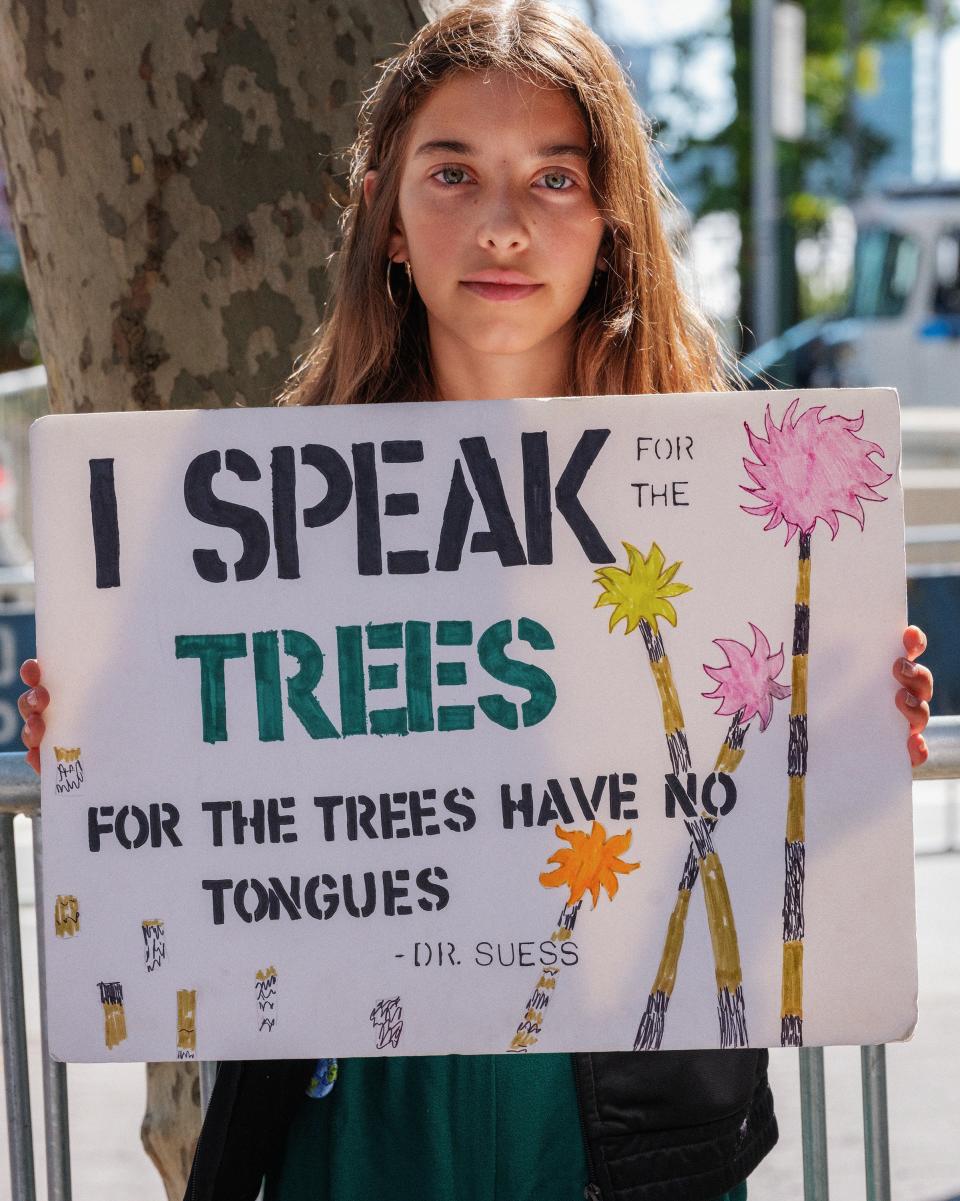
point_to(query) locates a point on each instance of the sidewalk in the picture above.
(106, 1101)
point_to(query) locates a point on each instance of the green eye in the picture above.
(555, 175)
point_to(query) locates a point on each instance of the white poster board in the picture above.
(363, 719)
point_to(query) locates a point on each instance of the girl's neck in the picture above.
(464, 373)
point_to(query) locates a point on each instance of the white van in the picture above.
(901, 326)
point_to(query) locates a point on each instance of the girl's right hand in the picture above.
(31, 704)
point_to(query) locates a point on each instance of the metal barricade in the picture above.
(20, 793)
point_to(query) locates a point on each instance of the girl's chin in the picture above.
(506, 335)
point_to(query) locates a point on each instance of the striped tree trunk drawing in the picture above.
(746, 687)
(589, 862)
(809, 468)
(731, 1009)
(791, 1000)
(650, 1031)
(530, 1026)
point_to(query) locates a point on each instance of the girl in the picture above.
(503, 238)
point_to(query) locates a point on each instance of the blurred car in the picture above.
(901, 325)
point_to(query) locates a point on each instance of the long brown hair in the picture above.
(636, 331)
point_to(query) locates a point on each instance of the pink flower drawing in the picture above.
(748, 684)
(812, 467)
(809, 468)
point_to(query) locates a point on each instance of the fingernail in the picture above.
(911, 700)
(32, 698)
(907, 668)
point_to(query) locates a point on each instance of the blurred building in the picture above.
(885, 104)
(889, 105)
(654, 72)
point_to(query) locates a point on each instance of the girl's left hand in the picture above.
(915, 692)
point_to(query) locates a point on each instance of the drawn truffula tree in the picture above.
(746, 688)
(641, 595)
(809, 468)
(66, 917)
(154, 943)
(591, 861)
(69, 768)
(114, 1019)
(186, 1023)
(265, 987)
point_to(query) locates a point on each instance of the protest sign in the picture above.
(491, 726)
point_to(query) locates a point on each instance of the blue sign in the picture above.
(933, 603)
(18, 641)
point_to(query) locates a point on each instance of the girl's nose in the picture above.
(503, 225)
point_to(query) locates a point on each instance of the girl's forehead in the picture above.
(497, 105)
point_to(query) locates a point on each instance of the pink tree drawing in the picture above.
(809, 468)
(747, 686)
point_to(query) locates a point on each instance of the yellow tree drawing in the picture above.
(641, 596)
(590, 862)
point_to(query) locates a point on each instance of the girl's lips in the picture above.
(500, 291)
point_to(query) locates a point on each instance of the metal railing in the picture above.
(20, 793)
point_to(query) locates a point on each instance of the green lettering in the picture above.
(266, 667)
(353, 702)
(300, 688)
(542, 690)
(454, 717)
(212, 650)
(417, 664)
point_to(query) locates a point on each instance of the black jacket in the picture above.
(658, 1126)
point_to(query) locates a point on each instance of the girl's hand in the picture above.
(31, 704)
(915, 692)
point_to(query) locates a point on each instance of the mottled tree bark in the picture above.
(174, 174)
(171, 1122)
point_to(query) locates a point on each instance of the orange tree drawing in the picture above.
(641, 595)
(591, 862)
(746, 687)
(809, 468)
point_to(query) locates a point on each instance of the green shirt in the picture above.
(440, 1128)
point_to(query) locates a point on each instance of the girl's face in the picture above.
(496, 217)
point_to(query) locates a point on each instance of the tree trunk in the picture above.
(171, 1122)
(530, 1027)
(723, 931)
(174, 178)
(653, 1020)
(795, 844)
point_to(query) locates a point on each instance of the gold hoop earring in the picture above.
(406, 263)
